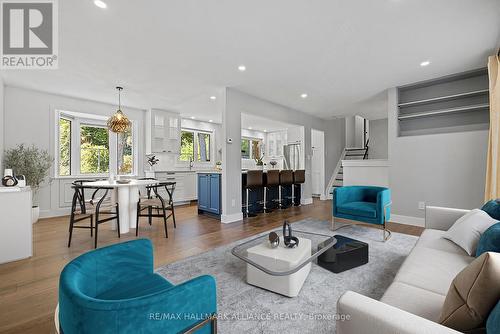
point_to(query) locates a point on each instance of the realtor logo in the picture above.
(29, 34)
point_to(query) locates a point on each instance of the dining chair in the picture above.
(155, 201)
(98, 205)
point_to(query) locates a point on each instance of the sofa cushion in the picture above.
(468, 229)
(434, 239)
(363, 209)
(489, 241)
(492, 208)
(421, 302)
(432, 269)
(148, 284)
(473, 294)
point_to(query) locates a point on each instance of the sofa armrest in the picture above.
(440, 218)
(366, 315)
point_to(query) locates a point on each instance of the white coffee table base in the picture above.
(279, 259)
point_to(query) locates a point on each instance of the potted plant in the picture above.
(34, 164)
(259, 163)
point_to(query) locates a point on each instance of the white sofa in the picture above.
(413, 302)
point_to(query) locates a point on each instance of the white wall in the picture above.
(378, 145)
(237, 103)
(2, 130)
(440, 169)
(354, 126)
(31, 117)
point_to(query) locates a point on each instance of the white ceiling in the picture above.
(343, 54)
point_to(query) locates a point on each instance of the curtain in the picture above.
(492, 189)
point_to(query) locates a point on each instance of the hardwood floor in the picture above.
(28, 288)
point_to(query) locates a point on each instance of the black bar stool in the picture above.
(255, 181)
(286, 182)
(299, 177)
(271, 189)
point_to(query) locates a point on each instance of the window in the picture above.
(251, 148)
(64, 146)
(86, 147)
(187, 146)
(203, 147)
(125, 152)
(94, 150)
(245, 148)
(196, 146)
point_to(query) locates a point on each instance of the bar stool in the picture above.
(255, 180)
(299, 177)
(286, 182)
(272, 183)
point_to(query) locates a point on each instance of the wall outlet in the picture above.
(233, 202)
(421, 205)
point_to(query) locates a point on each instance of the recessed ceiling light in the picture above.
(100, 4)
(210, 120)
(425, 63)
(192, 117)
(303, 95)
(249, 128)
(213, 97)
(265, 130)
(242, 68)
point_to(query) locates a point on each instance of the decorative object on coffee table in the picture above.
(346, 254)
(274, 239)
(288, 238)
(281, 269)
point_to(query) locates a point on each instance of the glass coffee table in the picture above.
(282, 270)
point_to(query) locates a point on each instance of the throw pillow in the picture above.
(493, 322)
(489, 241)
(472, 294)
(492, 208)
(467, 230)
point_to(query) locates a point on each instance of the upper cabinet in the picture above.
(165, 131)
(275, 142)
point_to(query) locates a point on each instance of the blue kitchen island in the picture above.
(209, 193)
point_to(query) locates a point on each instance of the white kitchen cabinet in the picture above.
(165, 131)
(185, 185)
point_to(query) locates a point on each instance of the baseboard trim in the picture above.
(407, 220)
(55, 213)
(323, 197)
(306, 201)
(232, 218)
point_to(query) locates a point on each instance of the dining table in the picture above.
(126, 194)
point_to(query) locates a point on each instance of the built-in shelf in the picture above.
(454, 103)
(444, 98)
(444, 111)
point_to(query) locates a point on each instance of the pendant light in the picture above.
(118, 123)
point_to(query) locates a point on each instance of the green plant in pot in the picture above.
(259, 162)
(34, 164)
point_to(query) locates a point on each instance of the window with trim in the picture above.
(86, 147)
(251, 148)
(195, 146)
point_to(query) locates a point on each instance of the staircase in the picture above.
(353, 153)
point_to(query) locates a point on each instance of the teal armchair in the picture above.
(115, 290)
(367, 204)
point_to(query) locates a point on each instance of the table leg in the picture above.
(132, 209)
(124, 203)
(114, 199)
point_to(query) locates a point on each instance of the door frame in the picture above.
(322, 163)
